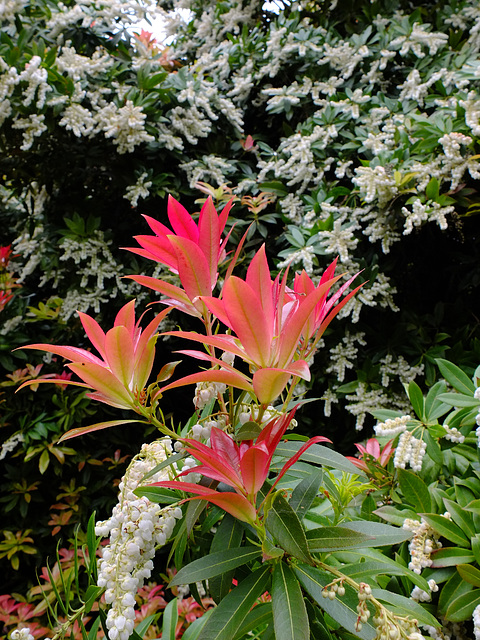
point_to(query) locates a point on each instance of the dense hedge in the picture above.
(347, 130)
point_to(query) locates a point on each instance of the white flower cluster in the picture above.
(424, 541)
(392, 426)
(138, 190)
(10, 444)
(453, 434)
(419, 595)
(410, 450)
(418, 38)
(375, 184)
(343, 356)
(205, 392)
(476, 622)
(421, 213)
(365, 401)
(22, 634)
(135, 527)
(399, 368)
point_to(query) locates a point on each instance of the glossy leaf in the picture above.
(343, 610)
(417, 400)
(461, 517)
(405, 606)
(215, 564)
(230, 614)
(470, 574)
(456, 377)
(414, 490)
(260, 615)
(305, 492)
(229, 535)
(289, 613)
(284, 525)
(448, 529)
(451, 556)
(318, 454)
(462, 608)
(170, 618)
(336, 539)
(380, 534)
(451, 590)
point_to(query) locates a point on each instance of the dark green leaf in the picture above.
(414, 490)
(462, 518)
(447, 529)
(215, 564)
(451, 556)
(469, 574)
(342, 609)
(336, 539)
(405, 606)
(381, 534)
(230, 614)
(284, 525)
(228, 536)
(289, 612)
(453, 588)
(456, 377)
(462, 608)
(260, 615)
(318, 454)
(305, 492)
(417, 400)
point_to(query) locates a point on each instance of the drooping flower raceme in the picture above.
(135, 527)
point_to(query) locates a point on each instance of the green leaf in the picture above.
(289, 613)
(395, 515)
(458, 400)
(414, 490)
(305, 492)
(433, 448)
(432, 190)
(248, 431)
(447, 529)
(469, 574)
(342, 609)
(318, 454)
(462, 518)
(260, 615)
(381, 535)
(215, 564)
(336, 539)
(176, 457)
(462, 608)
(194, 630)
(456, 377)
(230, 614)
(417, 400)
(405, 606)
(160, 495)
(229, 535)
(358, 558)
(170, 619)
(451, 556)
(476, 547)
(283, 523)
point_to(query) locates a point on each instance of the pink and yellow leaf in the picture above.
(80, 431)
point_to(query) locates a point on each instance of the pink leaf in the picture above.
(269, 383)
(95, 333)
(245, 312)
(181, 221)
(212, 375)
(102, 380)
(119, 352)
(80, 431)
